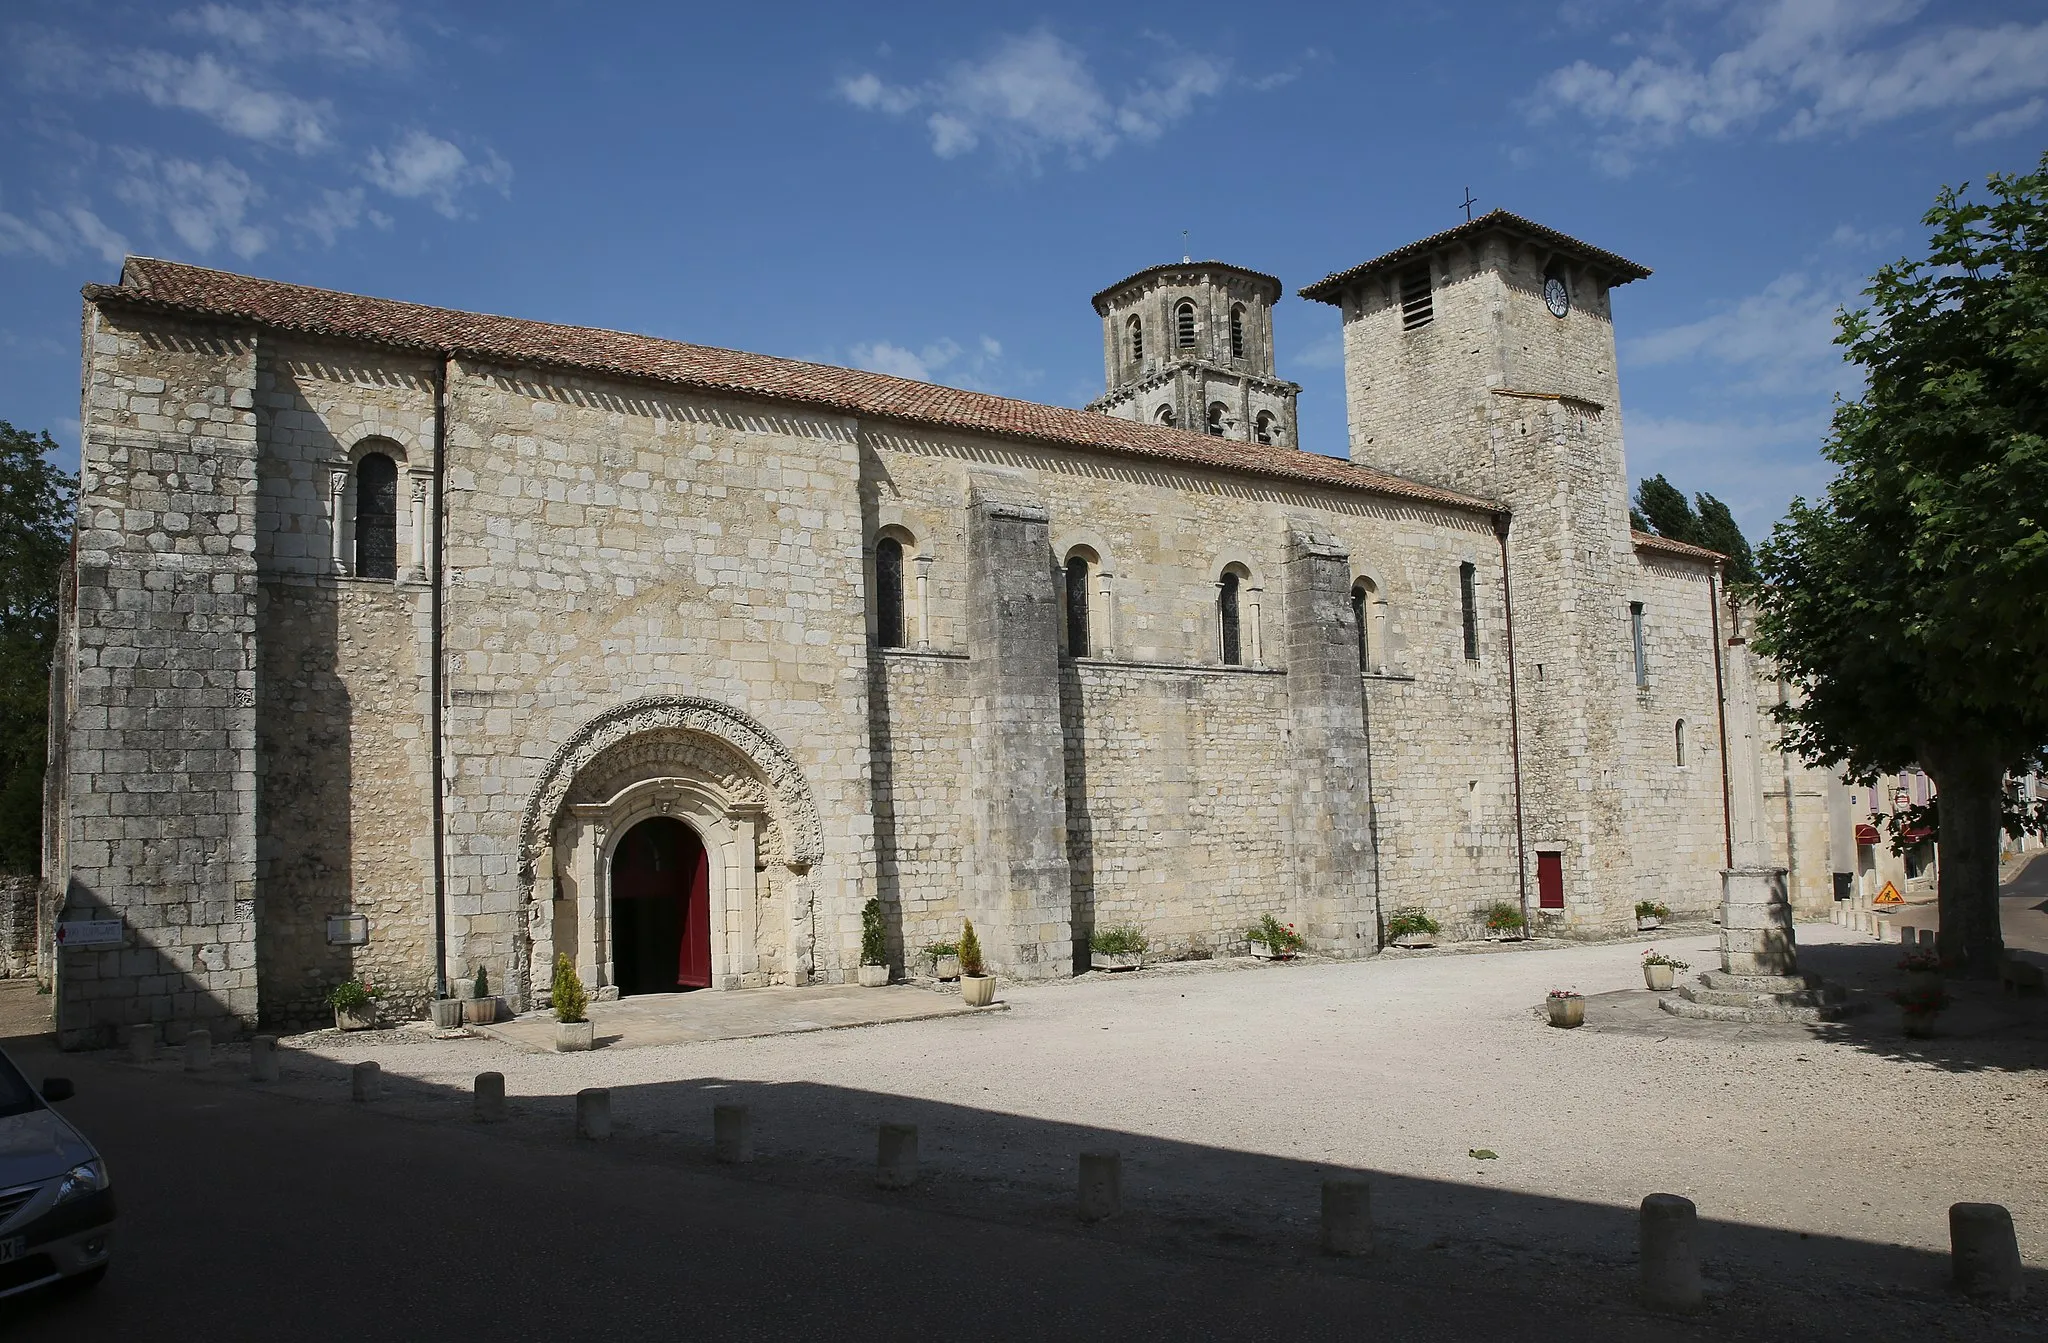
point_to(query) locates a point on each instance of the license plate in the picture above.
(10, 1250)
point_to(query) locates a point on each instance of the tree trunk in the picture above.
(1971, 787)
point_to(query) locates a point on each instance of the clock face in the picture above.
(1556, 297)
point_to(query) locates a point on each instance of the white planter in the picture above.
(574, 1036)
(1116, 960)
(447, 1014)
(1266, 953)
(1413, 941)
(945, 967)
(977, 990)
(1567, 1012)
(1646, 922)
(1659, 978)
(362, 1019)
(874, 976)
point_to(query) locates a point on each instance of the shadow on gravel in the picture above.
(1985, 1029)
(1568, 1260)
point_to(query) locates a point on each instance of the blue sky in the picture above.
(931, 191)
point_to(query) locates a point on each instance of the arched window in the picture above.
(1184, 324)
(376, 517)
(1228, 618)
(1361, 619)
(889, 592)
(1678, 742)
(1077, 606)
(1217, 410)
(1165, 416)
(1237, 331)
(1262, 427)
(1135, 332)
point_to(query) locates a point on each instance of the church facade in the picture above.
(402, 642)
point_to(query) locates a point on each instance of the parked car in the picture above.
(56, 1204)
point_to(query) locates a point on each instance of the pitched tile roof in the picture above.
(301, 310)
(1648, 541)
(1330, 288)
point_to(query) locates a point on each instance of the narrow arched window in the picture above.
(1361, 617)
(1678, 741)
(1237, 331)
(1184, 325)
(1077, 606)
(1217, 410)
(1228, 618)
(1165, 416)
(1262, 427)
(889, 592)
(1135, 333)
(376, 517)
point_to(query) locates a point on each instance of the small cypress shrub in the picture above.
(483, 983)
(570, 1000)
(970, 950)
(874, 942)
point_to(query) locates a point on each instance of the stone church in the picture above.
(402, 642)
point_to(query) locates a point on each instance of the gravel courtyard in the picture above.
(1825, 1154)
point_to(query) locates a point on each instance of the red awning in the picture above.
(1917, 835)
(1866, 834)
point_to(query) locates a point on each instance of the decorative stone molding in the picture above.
(758, 751)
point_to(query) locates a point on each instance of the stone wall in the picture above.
(18, 898)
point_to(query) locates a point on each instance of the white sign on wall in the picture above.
(90, 933)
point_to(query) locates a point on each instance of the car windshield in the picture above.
(16, 1095)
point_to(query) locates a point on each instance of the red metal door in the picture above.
(1550, 881)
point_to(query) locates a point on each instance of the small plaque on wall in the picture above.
(348, 930)
(90, 933)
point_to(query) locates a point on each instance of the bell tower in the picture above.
(1191, 345)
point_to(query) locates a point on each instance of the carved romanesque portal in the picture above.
(653, 791)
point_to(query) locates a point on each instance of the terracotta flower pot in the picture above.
(874, 976)
(1567, 1012)
(977, 990)
(1659, 978)
(479, 1011)
(574, 1036)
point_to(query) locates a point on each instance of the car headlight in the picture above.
(86, 1178)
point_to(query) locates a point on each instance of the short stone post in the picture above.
(1669, 1276)
(366, 1082)
(1101, 1188)
(896, 1156)
(142, 1043)
(1347, 1215)
(198, 1051)
(594, 1113)
(1984, 1251)
(489, 1106)
(732, 1134)
(263, 1058)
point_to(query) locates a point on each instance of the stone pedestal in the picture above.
(1759, 978)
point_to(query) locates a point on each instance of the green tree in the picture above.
(1660, 507)
(36, 501)
(1910, 604)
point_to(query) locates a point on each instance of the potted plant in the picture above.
(447, 1014)
(1118, 948)
(945, 959)
(1412, 927)
(1660, 970)
(1567, 1008)
(1922, 970)
(1650, 914)
(480, 1008)
(573, 1028)
(1272, 940)
(1918, 1007)
(1504, 922)
(355, 1005)
(977, 987)
(874, 946)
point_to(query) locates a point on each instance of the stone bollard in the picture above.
(141, 1043)
(594, 1113)
(489, 1107)
(1347, 1215)
(896, 1156)
(732, 1134)
(366, 1082)
(198, 1051)
(1984, 1251)
(1101, 1187)
(1669, 1275)
(263, 1058)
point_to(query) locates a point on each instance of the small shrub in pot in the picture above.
(1273, 940)
(355, 1005)
(874, 945)
(573, 1028)
(1412, 927)
(1661, 971)
(1119, 948)
(1504, 919)
(977, 988)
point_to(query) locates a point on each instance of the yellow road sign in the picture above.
(1889, 896)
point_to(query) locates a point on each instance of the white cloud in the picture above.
(422, 166)
(55, 235)
(224, 95)
(942, 361)
(1812, 66)
(2019, 118)
(18, 237)
(95, 235)
(204, 205)
(1034, 95)
(1781, 337)
(333, 214)
(359, 33)
(1753, 465)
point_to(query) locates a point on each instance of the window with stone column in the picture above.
(376, 548)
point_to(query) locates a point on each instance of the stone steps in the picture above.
(1757, 998)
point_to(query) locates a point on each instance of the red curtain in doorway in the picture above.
(693, 966)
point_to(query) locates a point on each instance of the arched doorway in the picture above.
(660, 909)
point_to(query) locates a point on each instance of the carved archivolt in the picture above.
(673, 734)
